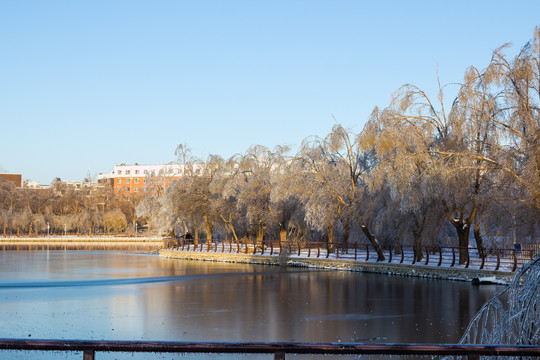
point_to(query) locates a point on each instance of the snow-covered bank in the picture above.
(434, 272)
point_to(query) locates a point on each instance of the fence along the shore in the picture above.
(495, 259)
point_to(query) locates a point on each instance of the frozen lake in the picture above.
(119, 296)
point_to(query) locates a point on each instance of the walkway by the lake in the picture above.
(438, 262)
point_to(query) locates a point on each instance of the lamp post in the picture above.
(65, 229)
(48, 228)
(135, 229)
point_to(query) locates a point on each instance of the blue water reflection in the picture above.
(119, 296)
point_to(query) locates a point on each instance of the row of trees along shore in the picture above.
(424, 171)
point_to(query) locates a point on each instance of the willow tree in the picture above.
(224, 192)
(183, 195)
(187, 204)
(322, 211)
(519, 79)
(340, 166)
(286, 201)
(472, 133)
(255, 169)
(200, 190)
(435, 135)
(400, 174)
(158, 212)
(503, 107)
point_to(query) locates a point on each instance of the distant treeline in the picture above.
(63, 209)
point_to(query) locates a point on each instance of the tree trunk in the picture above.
(330, 241)
(260, 234)
(196, 234)
(346, 235)
(231, 227)
(234, 234)
(373, 240)
(479, 240)
(282, 235)
(417, 235)
(209, 230)
(463, 229)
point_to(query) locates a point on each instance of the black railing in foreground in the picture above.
(278, 349)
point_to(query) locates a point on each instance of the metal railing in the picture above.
(490, 259)
(278, 349)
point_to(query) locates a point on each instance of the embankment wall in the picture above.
(345, 265)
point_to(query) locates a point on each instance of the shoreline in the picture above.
(82, 243)
(424, 271)
(79, 238)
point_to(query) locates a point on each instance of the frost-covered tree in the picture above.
(157, 213)
(322, 211)
(434, 135)
(224, 191)
(255, 169)
(512, 317)
(518, 79)
(286, 205)
(499, 141)
(341, 167)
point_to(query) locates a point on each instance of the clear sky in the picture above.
(85, 85)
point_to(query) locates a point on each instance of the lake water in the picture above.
(120, 296)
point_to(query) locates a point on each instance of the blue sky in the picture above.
(85, 85)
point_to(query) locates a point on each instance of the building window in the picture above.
(119, 172)
(135, 189)
(137, 181)
(128, 189)
(119, 181)
(126, 181)
(136, 171)
(146, 171)
(128, 172)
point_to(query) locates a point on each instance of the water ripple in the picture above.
(26, 284)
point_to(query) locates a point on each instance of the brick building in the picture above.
(131, 179)
(16, 179)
